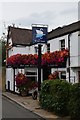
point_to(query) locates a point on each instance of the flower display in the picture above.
(22, 82)
(54, 75)
(56, 58)
(18, 59)
(34, 85)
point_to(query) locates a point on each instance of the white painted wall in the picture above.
(26, 50)
(43, 49)
(58, 69)
(74, 72)
(78, 50)
(55, 43)
(74, 49)
(10, 78)
(19, 50)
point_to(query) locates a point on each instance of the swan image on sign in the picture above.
(39, 34)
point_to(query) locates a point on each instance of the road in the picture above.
(11, 109)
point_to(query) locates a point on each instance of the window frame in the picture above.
(48, 47)
(62, 45)
(31, 75)
(60, 75)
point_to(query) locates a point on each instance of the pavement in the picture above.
(33, 105)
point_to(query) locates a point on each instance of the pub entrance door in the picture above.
(46, 72)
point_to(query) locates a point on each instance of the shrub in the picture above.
(74, 102)
(45, 96)
(54, 96)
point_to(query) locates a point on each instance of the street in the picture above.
(11, 109)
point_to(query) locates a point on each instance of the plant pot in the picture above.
(34, 95)
(23, 93)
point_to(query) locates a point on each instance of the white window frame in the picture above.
(61, 48)
(61, 73)
(30, 75)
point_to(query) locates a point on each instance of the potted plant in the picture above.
(22, 84)
(54, 75)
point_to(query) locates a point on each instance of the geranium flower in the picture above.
(53, 58)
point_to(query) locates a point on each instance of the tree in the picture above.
(3, 52)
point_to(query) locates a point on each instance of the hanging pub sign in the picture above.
(39, 33)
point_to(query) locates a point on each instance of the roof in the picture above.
(20, 36)
(60, 31)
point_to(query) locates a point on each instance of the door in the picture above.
(46, 72)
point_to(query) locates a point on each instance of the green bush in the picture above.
(74, 102)
(45, 96)
(54, 96)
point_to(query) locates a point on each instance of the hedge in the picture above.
(54, 96)
(74, 102)
(61, 97)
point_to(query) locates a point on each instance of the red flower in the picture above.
(53, 58)
(23, 83)
(21, 80)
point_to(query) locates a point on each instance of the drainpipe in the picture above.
(39, 67)
(14, 80)
(69, 55)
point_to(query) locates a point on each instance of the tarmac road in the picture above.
(11, 109)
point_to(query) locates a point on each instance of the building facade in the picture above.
(68, 37)
(19, 41)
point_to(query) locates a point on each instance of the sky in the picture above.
(24, 14)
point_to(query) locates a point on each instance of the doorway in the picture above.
(46, 72)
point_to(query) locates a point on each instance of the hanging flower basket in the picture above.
(22, 84)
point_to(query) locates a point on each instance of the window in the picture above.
(31, 75)
(36, 49)
(48, 47)
(62, 44)
(63, 75)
